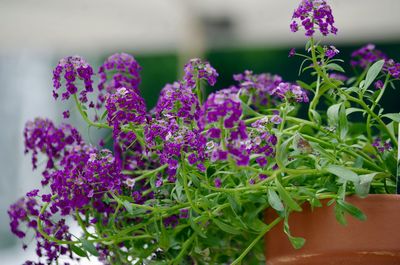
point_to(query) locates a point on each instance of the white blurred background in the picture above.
(35, 33)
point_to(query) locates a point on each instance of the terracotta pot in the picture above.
(375, 241)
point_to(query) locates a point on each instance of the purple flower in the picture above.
(184, 213)
(292, 52)
(66, 114)
(313, 15)
(378, 84)
(331, 52)
(338, 76)
(217, 183)
(32, 193)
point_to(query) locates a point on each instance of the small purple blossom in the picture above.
(184, 213)
(378, 84)
(331, 52)
(292, 52)
(217, 183)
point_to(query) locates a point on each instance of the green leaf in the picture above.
(297, 242)
(78, 251)
(89, 247)
(227, 228)
(393, 116)
(285, 196)
(333, 115)
(247, 111)
(372, 73)
(352, 210)
(282, 153)
(316, 116)
(343, 173)
(363, 186)
(275, 201)
(335, 67)
(196, 227)
(339, 214)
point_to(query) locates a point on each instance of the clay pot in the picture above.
(375, 241)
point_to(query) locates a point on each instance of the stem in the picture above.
(252, 244)
(368, 125)
(85, 116)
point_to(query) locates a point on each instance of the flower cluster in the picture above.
(313, 14)
(125, 107)
(25, 214)
(195, 70)
(366, 55)
(118, 70)
(178, 101)
(73, 67)
(41, 136)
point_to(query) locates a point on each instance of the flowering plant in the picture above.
(187, 182)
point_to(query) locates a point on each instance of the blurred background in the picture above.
(234, 35)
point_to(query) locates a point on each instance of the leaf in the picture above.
(372, 73)
(339, 214)
(363, 186)
(89, 247)
(78, 251)
(196, 227)
(335, 67)
(393, 116)
(275, 201)
(352, 110)
(227, 228)
(282, 153)
(352, 210)
(343, 173)
(285, 196)
(297, 242)
(247, 111)
(315, 115)
(333, 115)
(304, 85)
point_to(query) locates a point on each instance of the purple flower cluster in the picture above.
(312, 14)
(41, 136)
(392, 68)
(125, 107)
(169, 140)
(178, 101)
(366, 55)
(264, 87)
(118, 70)
(223, 113)
(196, 70)
(24, 214)
(382, 146)
(73, 67)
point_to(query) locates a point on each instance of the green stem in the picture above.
(255, 241)
(85, 116)
(368, 125)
